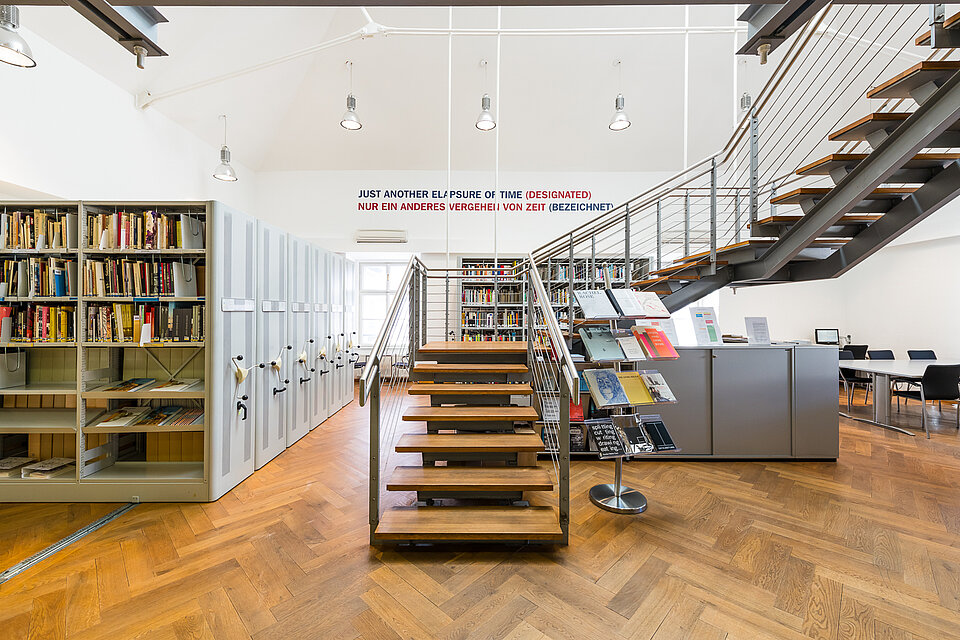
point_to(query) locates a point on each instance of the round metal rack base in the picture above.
(626, 500)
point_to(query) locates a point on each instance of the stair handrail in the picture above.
(372, 366)
(553, 329)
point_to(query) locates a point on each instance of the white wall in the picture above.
(73, 134)
(906, 296)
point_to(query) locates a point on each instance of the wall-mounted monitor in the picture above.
(828, 336)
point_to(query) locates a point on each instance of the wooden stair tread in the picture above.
(469, 523)
(859, 129)
(762, 242)
(469, 414)
(825, 165)
(477, 389)
(470, 479)
(850, 218)
(682, 267)
(466, 346)
(434, 367)
(652, 281)
(806, 193)
(469, 442)
(919, 74)
(924, 39)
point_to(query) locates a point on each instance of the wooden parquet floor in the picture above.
(868, 547)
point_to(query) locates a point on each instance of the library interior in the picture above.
(528, 320)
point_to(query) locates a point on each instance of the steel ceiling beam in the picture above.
(771, 24)
(131, 26)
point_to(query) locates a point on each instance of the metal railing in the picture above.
(421, 310)
(818, 84)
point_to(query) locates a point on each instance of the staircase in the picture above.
(478, 451)
(876, 196)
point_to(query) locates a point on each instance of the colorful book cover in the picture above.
(633, 386)
(605, 388)
(657, 386)
(576, 412)
(600, 344)
(123, 417)
(133, 384)
(660, 343)
(174, 384)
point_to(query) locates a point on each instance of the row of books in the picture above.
(140, 416)
(502, 336)
(38, 229)
(37, 323)
(122, 277)
(609, 388)
(30, 277)
(127, 322)
(151, 385)
(477, 296)
(485, 320)
(29, 467)
(144, 230)
(637, 343)
(581, 271)
(560, 296)
(608, 304)
(488, 269)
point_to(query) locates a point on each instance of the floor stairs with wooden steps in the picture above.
(479, 479)
(905, 193)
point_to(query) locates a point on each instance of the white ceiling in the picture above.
(556, 93)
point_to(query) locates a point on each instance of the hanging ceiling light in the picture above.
(619, 121)
(485, 121)
(350, 121)
(224, 171)
(13, 48)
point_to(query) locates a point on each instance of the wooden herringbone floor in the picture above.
(868, 547)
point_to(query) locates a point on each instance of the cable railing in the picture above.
(818, 84)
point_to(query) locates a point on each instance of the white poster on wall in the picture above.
(705, 326)
(757, 330)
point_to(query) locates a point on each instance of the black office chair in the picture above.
(916, 354)
(880, 354)
(850, 380)
(859, 351)
(939, 382)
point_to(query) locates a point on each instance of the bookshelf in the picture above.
(187, 272)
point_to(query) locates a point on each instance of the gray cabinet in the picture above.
(689, 419)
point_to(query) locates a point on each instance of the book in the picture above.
(626, 302)
(654, 343)
(161, 416)
(657, 386)
(634, 438)
(656, 431)
(49, 468)
(634, 387)
(605, 388)
(595, 304)
(133, 384)
(576, 412)
(123, 417)
(174, 384)
(630, 347)
(600, 344)
(650, 304)
(10, 467)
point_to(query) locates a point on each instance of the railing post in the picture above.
(548, 282)
(713, 216)
(496, 298)
(627, 271)
(531, 318)
(736, 216)
(564, 445)
(659, 238)
(413, 318)
(374, 401)
(593, 261)
(754, 157)
(686, 223)
(773, 194)
(446, 305)
(570, 298)
(423, 308)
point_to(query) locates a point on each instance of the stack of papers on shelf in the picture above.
(171, 415)
(10, 467)
(50, 468)
(123, 417)
(133, 384)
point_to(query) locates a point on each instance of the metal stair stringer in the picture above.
(931, 119)
(696, 289)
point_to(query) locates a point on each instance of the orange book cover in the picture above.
(660, 343)
(644, 341)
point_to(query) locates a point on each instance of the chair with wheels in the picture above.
(850, 380)
(939, 382)
(859, 351)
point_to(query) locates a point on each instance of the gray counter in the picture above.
(753, 401)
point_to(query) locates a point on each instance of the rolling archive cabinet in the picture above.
(300, 275)
(274, 352)
(84, 382)
(351, 351)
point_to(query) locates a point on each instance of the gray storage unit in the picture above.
(231, 326)
(299, 311)
(351, 351)
(273, 356)
(320, 330)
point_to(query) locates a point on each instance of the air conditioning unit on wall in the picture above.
(381, 236)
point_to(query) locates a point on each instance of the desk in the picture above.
(881, 371)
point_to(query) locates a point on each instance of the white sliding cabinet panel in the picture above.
(339, 354)
(272, 353)
(319, 333)
(298, 329)
(352, 351)
(231, 334)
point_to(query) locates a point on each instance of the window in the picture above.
(378, 284)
